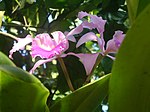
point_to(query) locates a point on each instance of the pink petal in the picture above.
(88, 60)
(82, 14)
(40, 62)
(101, 43)
(118, 37)
(86, 37)
(88, 25)
(98, 22)
(70, 38)
(76, 30)
(46, 47)
(58, 36)
(111, 47)
(114, 44)
(22, 42)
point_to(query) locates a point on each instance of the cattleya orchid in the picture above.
(98, 23)
(51, 48)
(48, 48)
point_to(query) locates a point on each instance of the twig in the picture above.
(9, 35)
(62, 64)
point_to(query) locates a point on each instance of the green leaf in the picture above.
(130, 81)
(85, 99)
(20, 91)
(135, 7)
(4, 60)
(1, 16)
(132, 9)
(142, 5)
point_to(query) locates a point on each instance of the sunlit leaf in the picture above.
(20, 91)
(135, 7)
(132, 9)
(85, 99)
(130, 81)
(4, 60)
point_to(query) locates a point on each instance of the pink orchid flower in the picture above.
(112, 45)
(50, 48)
(98, 23)
(20, 45)
(94, 23)
(43, 46)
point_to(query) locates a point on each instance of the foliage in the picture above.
(18, 88)
(129, 82)
(132, 81)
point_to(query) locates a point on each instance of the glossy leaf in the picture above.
(135, 7)
(130, 81)
(4, 60)
(20, 91)
(85, 99)
(142, 5)
(132, 9)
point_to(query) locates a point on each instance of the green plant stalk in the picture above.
(62, 64)
(99, 58)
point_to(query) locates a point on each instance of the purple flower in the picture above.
(43, 46)
(112, 45)
(46, 47)
(50, 48)
(94, 23)
(98, 23)
(22, 42)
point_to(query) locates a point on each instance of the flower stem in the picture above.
(9, 35)
(100, 57)
(62, 64)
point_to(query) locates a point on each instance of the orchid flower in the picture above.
(48, 48)
(98, 23)
(51, 48)
(112, 45)
(43, 46)
(94, 23)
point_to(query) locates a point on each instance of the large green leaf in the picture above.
(20, 91)
(142, 5)
(135, 7)
(130, 81)
(85, 99)
(132, 9)
(4, 60)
